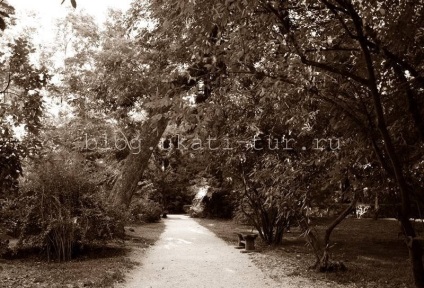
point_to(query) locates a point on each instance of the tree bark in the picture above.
(338, 220)
(415, 247)
(312, 240)
(415, 251)
(413, 106)
(321, 250)
(370, 82)
(137, 161)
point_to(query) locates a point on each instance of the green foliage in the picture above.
(64, 209)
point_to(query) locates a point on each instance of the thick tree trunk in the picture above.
(415, 248)
(137, 160)
(416, 255)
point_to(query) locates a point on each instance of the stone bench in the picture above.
(246, 241)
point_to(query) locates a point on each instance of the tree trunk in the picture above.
(312, 240)
(322, 250)
(415, 247)
(324, 260)
(415, 251)
(137, 160)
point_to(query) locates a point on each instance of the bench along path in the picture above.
(190, 256)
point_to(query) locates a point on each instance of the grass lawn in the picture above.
(99, 267)
(371, 249)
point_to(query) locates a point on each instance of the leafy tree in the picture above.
(170, 176)
(131, 81)
(21, 107)
(341, 57)
(367, 70)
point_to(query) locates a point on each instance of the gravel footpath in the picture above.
(190, 256)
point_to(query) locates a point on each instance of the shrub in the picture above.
(4, 248)
(146, 210)
(267, 205)
(64, 210)
(10, 213)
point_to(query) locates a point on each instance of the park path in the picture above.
(187, 255)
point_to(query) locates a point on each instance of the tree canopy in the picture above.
(302, 104)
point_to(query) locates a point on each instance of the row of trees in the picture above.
(51, 195)
(55, 170)
(324, 97)
(307, 70)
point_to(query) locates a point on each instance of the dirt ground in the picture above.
(99, 267)
(372, 250)
(189, 255)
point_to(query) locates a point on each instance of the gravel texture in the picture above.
(189, 255)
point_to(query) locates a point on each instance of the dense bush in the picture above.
(146, 210)
(10, 214)
(265, 199)
(65, 210)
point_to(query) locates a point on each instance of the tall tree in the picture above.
(347, 56)
(20, 108)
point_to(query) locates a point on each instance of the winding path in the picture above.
(190, 256)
